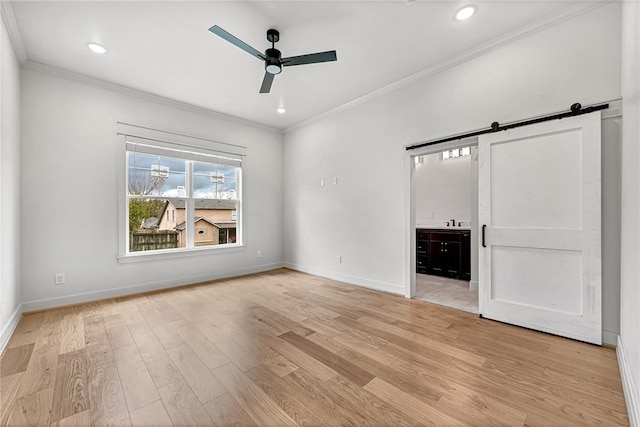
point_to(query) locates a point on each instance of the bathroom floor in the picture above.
(448, 292)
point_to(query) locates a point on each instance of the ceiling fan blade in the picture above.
(266, 82)
(311, 58)
(236, 41)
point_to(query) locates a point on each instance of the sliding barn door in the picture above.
(539, 212)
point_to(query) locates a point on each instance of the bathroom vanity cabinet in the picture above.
(444, 252)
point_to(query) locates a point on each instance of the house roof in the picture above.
(224, 224)
(206, 204)
(201, 204)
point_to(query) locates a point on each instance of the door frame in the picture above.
(409, 214)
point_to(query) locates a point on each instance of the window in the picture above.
(180, 197)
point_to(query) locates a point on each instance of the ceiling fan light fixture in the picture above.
(96, 48)
(465, 12)
(273, 68)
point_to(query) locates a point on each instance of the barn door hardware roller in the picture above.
(575, 110)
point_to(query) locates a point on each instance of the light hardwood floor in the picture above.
(285, 349)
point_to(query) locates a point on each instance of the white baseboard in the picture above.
(351, 280)
(143, 287)
(610, 338)
(473, 286)
(10, 327)
(628, 385)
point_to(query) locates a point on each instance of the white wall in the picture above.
(70, 193)
(10, 186)
(629, 348)
(443, 190)
(362, 218)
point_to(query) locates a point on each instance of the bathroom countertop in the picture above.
(442, 227)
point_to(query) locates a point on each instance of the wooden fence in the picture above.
(151, 240)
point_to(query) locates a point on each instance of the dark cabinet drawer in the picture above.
(422, 234)
(444, 236)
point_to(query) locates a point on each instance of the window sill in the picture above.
(182, 253)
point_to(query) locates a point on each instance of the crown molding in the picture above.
(146, 96)
(9, 19)
(507, 38)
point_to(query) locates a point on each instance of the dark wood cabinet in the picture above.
(444, 253)
(422, 252)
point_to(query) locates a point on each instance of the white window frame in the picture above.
(178, 141)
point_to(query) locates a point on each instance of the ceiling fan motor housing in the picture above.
(273, 63)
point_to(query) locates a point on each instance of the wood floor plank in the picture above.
(41, 372)
(313, 366)
(475, 408)
(299, 407)
(151, 415)
(409, 404)
(16, 359)
(183, 406)
(201, 346)
(81, 419)
(137, 385)
(70, 390)
(32, 410)
(229, 347)
(342, 412)
(260, 407)
(354, 373)
(107, 403)
(372, 407)
(203, 383)
(9, 387)
(250, 341)
(118, 332)
(225, 411)
(450, 350)
(27, 331)
(164, 372)
(95, 331)
(72, 333)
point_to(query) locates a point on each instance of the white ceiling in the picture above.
(165, 48)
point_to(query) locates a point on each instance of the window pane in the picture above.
(203, 168)
(227, 171)
(214, 218)
(174, 185)
(143, 161)
(154, 224)
(174, 165)
(203, 188)
(142, 182)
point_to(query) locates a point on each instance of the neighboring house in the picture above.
(215, 221)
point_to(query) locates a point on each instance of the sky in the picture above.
(175, 170)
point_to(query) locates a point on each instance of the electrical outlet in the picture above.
(322, 183)
(60, 279)
(335, 180)
(259, 254)
(339, 259)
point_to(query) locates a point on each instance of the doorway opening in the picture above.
(444, 221)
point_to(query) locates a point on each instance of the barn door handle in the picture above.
(484, 226)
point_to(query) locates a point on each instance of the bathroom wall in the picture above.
(443, 190)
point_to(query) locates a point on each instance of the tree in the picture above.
(142, 209)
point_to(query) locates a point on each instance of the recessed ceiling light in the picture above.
(281, 110)
(465, 12)
(96, 48)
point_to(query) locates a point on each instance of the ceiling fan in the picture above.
(273, 60)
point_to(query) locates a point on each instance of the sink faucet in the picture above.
(453, 222)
